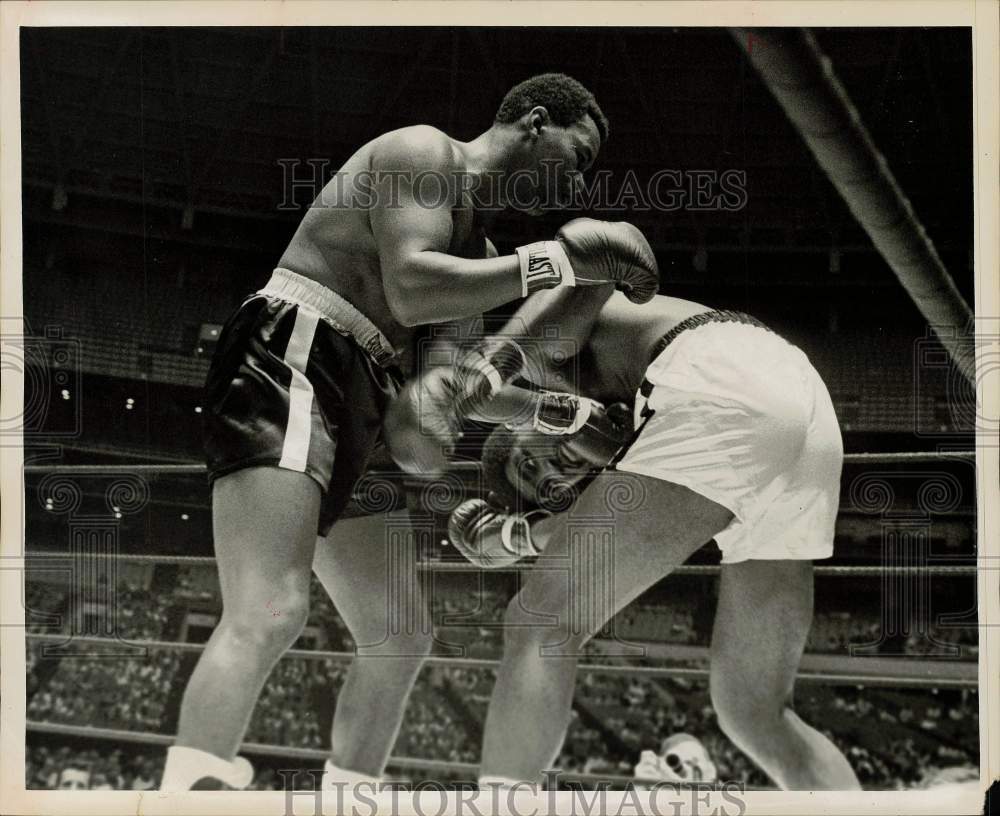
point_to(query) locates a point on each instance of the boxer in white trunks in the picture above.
(734, 439)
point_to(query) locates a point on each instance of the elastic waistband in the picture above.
(694, 322)
(704, 319)
(341, 315)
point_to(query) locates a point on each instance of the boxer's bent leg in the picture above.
(384, 607)
(761, 624)
(530, 707)
(264, 523)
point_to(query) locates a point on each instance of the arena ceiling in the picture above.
(177, 134)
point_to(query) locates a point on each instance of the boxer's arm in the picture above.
(559, 323)
(448, 339)
(412, 225)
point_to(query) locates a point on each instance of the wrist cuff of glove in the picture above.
(485, 369)
(560, 414)
(544, 265)
(515, 533)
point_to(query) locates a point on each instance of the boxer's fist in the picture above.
(483, 370)
(489, 538)
(422, 424)
(425, 421)
(611, 252)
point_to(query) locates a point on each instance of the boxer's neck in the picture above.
(492, 157)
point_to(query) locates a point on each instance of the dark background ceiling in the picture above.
(139, 125)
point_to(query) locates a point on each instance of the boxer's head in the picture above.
(523, 470)
(558, 129)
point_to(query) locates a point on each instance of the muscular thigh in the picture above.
(264, 526)
(625, 533)
(368, 566)
(761, 624)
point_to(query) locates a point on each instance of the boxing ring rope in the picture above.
(801, 78)
(855, 671)
(466, 770)
(440, 565)
(197, 469)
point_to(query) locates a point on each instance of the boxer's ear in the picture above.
(536, 119)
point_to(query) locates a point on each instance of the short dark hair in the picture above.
(566, 100)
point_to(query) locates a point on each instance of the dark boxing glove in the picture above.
(588, 252)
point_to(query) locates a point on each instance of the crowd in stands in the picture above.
(888, 750)
(286, 713)
(43, 603)
(837, 632)
(130, 768)
(116, 687)
(109, 691)
(432, 729)
(894, 738)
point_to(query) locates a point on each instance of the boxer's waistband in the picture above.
(335, 310)
(693, 322)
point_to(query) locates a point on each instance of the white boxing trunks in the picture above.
(735, 413)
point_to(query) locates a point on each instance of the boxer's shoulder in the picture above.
(419, 147)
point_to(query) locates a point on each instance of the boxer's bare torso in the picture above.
(335, 243)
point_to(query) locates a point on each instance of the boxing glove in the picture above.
(422, 424)
(483, 370)
(489, 538)
(588, 252)
(425, 421)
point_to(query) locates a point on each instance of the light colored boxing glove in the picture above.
(483, 370)
(490, 538)
(424, 422)
(587, 252)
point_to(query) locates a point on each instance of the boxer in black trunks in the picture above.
(306, 368)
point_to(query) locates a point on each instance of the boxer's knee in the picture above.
(532, 629)
(269, 630)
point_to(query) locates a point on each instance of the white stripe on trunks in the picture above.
(295, 450)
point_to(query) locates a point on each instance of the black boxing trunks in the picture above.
(300, 380)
